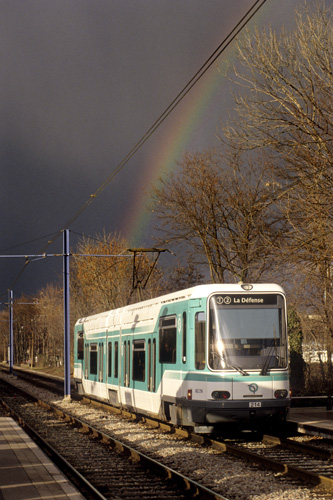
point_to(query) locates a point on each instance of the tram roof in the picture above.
(147, 309)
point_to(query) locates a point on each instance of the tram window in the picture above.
(184, 338)
(80, 345)
(149, 366)
(128, 369)
(168, 337)
(139, 360)
(154, 367)
(110, 359)
(200, 327)
(115, 372)
(93, 359)
(125, 363)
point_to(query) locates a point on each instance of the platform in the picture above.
(318, 421)
(26, 473)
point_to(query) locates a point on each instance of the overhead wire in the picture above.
(180, 96)
(28, 242)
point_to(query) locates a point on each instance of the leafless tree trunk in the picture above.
(224, 211)
(286, 110)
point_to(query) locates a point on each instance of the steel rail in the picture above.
(195, 488)
(297, 472)
(191, 487)
(223, 447)
(314, 451)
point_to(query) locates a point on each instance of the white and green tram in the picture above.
(199, 357)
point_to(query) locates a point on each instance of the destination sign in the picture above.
(248, 299)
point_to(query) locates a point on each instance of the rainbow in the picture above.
(200, 111)
(180, 134)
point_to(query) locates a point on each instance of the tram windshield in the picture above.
(247, 332)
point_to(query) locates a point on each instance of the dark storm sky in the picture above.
(82, 81)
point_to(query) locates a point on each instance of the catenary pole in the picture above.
(67, 380)
(32, 258)
(66, 256)
(11, 336)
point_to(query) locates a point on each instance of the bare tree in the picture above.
(4, 335)
(285, 109)
(51, 325)
(223, 211)
(287, 102)
(182, 276)
(25, 330)
(103, 278)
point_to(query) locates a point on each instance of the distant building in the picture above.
(315, 355)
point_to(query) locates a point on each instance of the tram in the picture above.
(197, 358)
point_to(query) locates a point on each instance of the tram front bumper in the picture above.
(217, 412)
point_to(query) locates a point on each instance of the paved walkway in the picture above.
(25, 471)
(314, 420)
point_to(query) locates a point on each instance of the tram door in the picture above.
(151, 363)
(127, 363)
(86, 361)
(100, 361)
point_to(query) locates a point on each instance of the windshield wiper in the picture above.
(229, 365)
(270, 355)
(239, 369)
(264, 369)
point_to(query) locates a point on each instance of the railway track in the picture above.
(286, 458)
(308, 463)
(96, 462)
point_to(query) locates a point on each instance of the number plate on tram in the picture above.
(255, 404)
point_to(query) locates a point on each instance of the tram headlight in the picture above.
(281, 393)
(246, 286)
(220, 394)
